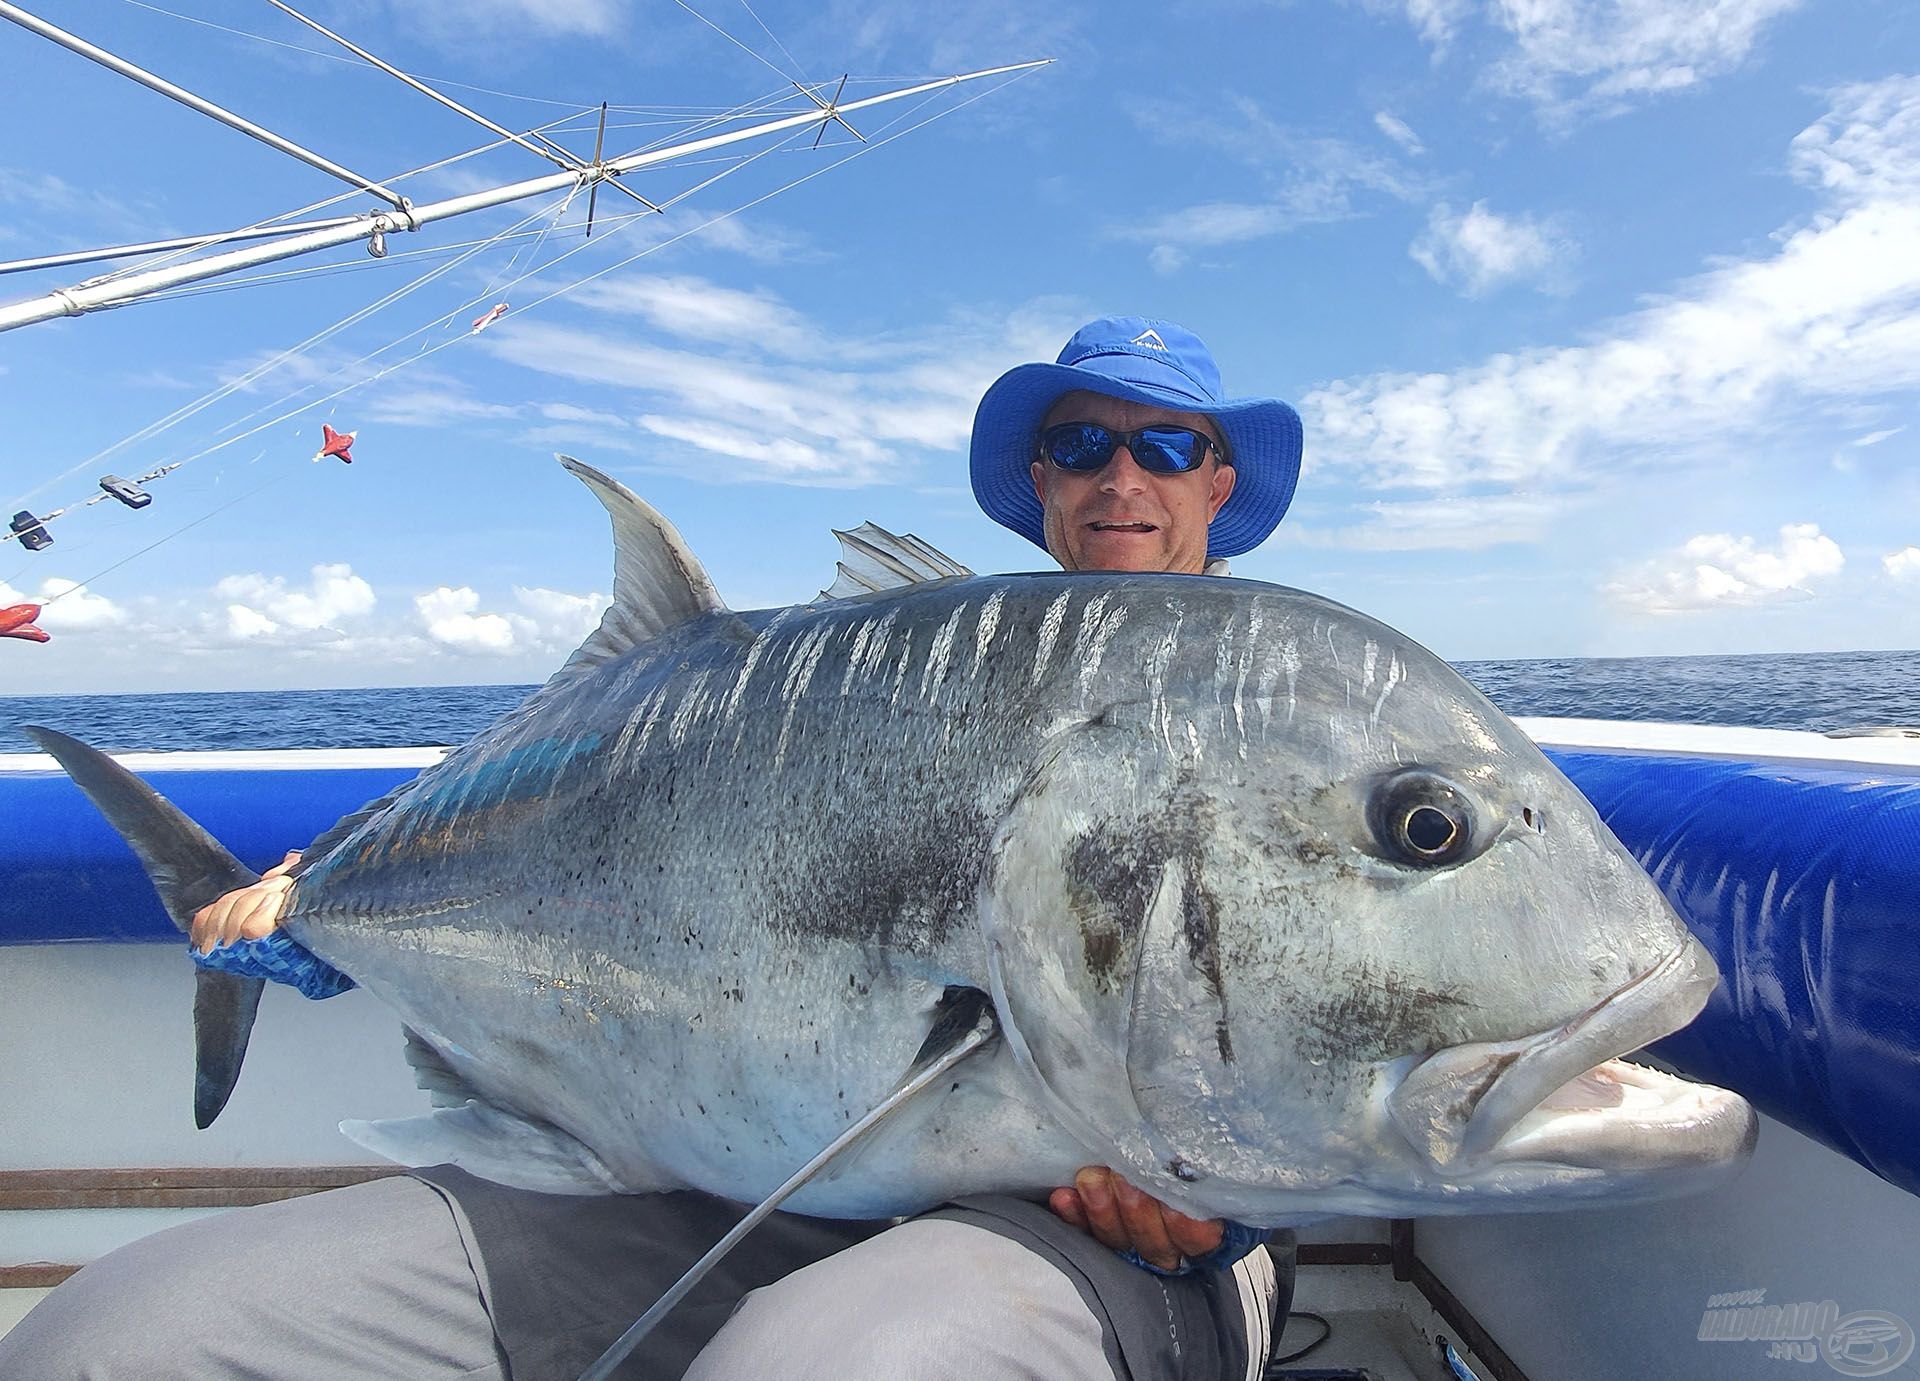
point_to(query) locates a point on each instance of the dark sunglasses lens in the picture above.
(1169, 450)
(1078, 445)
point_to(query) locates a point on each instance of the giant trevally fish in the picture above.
(1277, 915)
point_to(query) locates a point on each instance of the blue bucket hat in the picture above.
(1141, 361)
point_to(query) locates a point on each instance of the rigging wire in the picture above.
(275, 361)
(443, 81)
(683, 129)
(233, 385)
(362, 264)
(153, 429)
(185, 527)
(172, 256)
(772, 35)
(752, 53)
(881, 139)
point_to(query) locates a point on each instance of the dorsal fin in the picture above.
(874, 559)
(657, 582)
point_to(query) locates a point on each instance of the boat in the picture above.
(1795, 857)
(1791, 855)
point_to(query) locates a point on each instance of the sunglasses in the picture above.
(1084, 447)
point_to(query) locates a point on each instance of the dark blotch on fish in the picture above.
(1376, 1017)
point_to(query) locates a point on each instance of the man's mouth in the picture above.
(1122, 527)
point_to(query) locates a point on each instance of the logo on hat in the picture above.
(1149, 338)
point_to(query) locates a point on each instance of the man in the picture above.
(1123, 455)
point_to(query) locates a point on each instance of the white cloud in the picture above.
(424, 403)
(846, 410)
(1480, 249)
(1576, 56)
(1875, 438)
(26, 193)
(1465, 523)
(1166, 258)
(560, 17)
(775, 454)
(450, 618)
(1302, 179)
(548, 621)
(69, 607)
(261, 604)
(1398, 130)
(198, 639)
(1831, 316)
(1716, 569)
(1867, 146)
(1437, 20)
(697, 309)
(244, 623)
(560, 619)
(1902, 565)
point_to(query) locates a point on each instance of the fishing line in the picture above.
(694, 230)
(356, 62)
(83, 584)
(772, 35)
(234, 385)
(879, 141)
(187, 410)
(861, 150)
(211, 241)
(734, 41)
(532, 251)
(348, 320)
(362, 264)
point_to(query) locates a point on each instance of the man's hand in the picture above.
(1126, 1219)
(246, 913)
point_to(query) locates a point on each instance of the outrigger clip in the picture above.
(129, 493)
(33, 536)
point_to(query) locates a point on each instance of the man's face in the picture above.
(1121, 517)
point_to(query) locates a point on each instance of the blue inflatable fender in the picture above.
(1803, 879)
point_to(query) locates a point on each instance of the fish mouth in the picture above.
(1566, 1097)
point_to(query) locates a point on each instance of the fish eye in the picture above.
(1421, 819)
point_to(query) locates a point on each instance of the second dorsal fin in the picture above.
(657, 582)
(873, 559)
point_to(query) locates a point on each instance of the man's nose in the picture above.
(1123, 474)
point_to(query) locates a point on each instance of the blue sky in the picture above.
(1604, 319)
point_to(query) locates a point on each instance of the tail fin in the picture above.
(189, 868)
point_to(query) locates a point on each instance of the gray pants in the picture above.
(445, 1277)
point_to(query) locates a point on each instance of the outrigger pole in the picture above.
(374, 226)
(34, 24)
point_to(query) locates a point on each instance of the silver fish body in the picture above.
(1279, 916)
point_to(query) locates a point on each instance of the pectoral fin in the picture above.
(495, 1145)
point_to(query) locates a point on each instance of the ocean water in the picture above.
(1798, 691)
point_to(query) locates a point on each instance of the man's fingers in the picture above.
(1066, 1206)
(279, 869)
(1195, 1237)
(262, 914)
(1143, 1218)
(1095, 1186)
(246, 913)
(1128, 1219)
